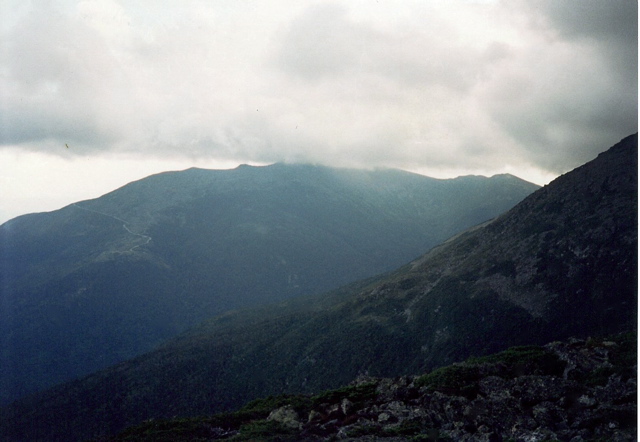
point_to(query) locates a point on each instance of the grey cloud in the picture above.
(559, 145)
(610, 25)
(559, 99)
(60, 82)
(614, 20)
(565, 126)
(23, 125)
(576, 94)
(325, 44)
(332, 85)
(322, 42)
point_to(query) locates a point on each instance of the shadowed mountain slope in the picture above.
(103, 280)
(571, 390)
(561, 263)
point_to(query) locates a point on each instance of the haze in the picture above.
(94, 94)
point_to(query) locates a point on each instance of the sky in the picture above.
(97, 93)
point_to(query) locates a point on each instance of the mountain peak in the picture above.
(144, 262)
(561, 263)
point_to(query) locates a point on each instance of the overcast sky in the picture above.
(97, 93)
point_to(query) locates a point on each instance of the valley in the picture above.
(560, 265)
(104, 280)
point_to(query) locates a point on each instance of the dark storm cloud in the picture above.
(611, 26)
(578, 92)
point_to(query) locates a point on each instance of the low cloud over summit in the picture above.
(530, 88)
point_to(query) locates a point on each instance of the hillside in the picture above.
(573, 389)
(104, 280)
(561, 263)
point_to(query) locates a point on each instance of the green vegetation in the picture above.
(516, 361)
(355, 393)
(262, 407)
(193, 429)
(250, 422)
(458, 379)
(247, 423)
(462, 378)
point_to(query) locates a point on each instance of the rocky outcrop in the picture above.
(589, 400)
(575, 390)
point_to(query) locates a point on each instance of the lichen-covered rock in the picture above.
(286, 416)
(346, 406)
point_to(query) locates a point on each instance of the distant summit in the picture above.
(106, 279)
(562, 263)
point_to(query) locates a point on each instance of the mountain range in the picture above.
(104, 280)
(561, 263)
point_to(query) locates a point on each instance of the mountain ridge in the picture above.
(561, 263)
(102, 280)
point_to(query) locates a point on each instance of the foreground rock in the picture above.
(577, 390)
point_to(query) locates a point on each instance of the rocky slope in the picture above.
(576, 390)
(103, 280)
(561, 263)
